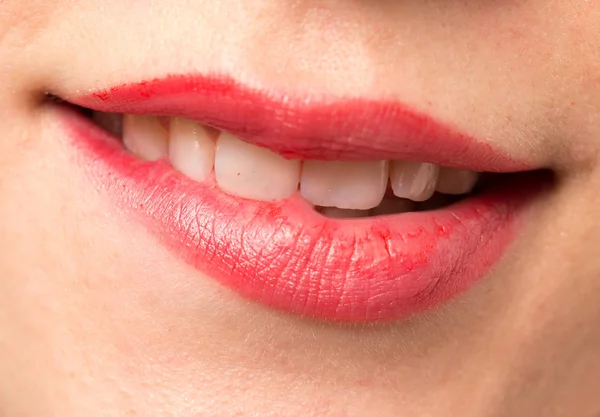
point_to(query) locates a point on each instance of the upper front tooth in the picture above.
(347, 185)
(413, 180)
(456, 181)
(145, 137)
(191, 148)
(252, 172)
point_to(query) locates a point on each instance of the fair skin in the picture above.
(98, 319)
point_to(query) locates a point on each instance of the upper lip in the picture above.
(306, 128)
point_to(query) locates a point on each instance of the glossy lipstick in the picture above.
(284, 254)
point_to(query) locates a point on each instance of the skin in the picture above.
(98, 319)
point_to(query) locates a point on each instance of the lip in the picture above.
(284, 254)
(305, 127)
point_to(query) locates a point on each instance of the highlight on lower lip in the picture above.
(287, 256)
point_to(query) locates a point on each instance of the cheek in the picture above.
(21, 21)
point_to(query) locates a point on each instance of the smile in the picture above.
(345, 210)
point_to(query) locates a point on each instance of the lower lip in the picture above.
(287, 256)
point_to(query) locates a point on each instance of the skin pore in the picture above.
(97, 318)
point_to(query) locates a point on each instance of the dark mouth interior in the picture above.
(389, 205)
(437, 201)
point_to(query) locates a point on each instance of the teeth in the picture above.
(145, 137)
(342, 189)
(413, 180)
(456, 181)
(347, 185)
(252, 172)
(191, 149)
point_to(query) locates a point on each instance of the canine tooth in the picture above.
(253, 172)
(145, 137)
(456, 181)
(415, 181)
(191, 148)
(342, 184)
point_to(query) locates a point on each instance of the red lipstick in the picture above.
(305, 128)
(284, 254)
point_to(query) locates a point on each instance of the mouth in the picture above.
(341, 210)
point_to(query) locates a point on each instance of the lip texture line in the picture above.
(284, 254)
(301, 128)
